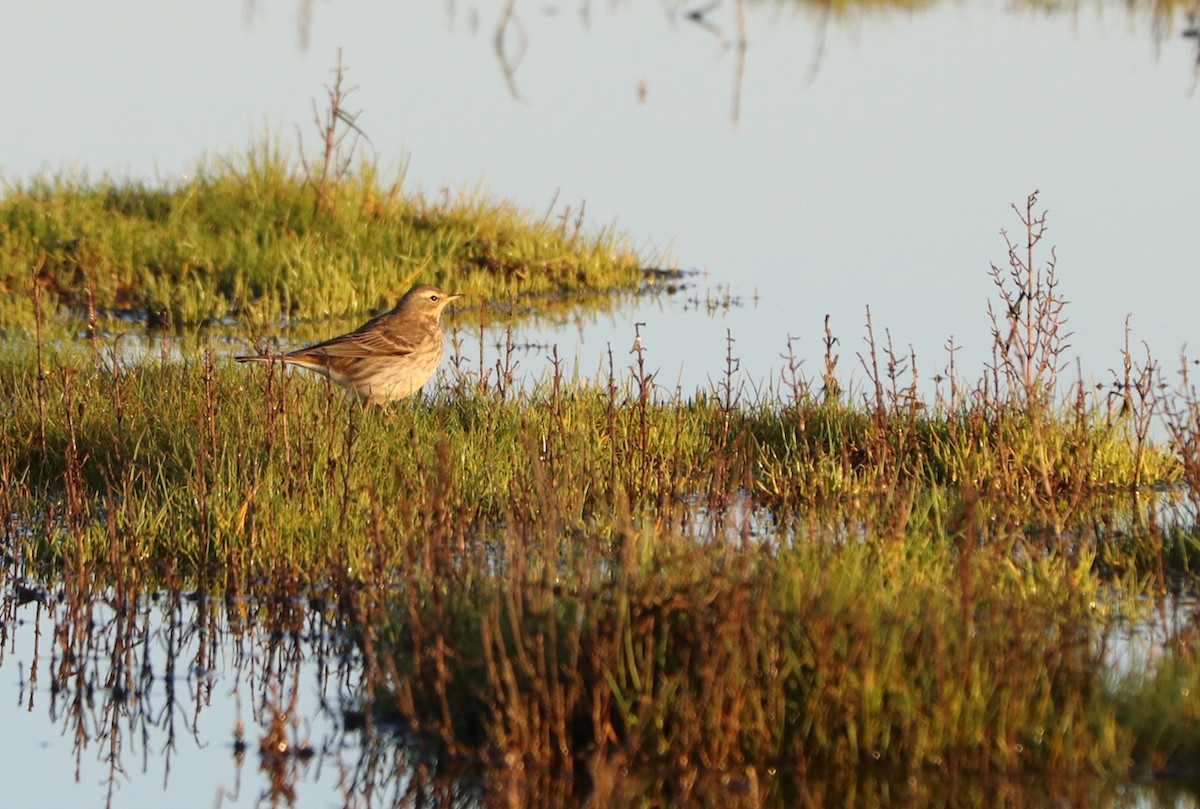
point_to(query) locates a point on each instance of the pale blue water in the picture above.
(144, 707)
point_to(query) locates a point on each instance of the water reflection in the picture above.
(726, 22)
(141, 689)
(173, 696)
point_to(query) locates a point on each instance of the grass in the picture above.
(245, 239)
(688, 661)
(557, 584)
(275, 236)
(577, 579)
(280, 462)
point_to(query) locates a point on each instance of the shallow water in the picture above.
(171, 698)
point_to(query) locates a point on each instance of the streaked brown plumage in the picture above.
(389, 357)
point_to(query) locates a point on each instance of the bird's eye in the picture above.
(433, 298)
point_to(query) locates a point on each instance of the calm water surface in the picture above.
(176, 700)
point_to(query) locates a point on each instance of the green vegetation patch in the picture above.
(560, 582)
(254, 237)
(584, 577)
(911, 662)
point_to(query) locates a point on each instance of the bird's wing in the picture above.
(365, 342)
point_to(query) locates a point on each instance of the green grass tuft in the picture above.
(253, 237)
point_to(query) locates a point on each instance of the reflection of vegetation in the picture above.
(133, 673)
(1160, 706)
(130, 670)
(511, 41)
(558, 584)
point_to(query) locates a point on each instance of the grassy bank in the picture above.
(255, 238)
(561, 583)
(200, 464)
(584, 577)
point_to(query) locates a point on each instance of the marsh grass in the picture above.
(558, 583)
(248, 238)
(276, 235)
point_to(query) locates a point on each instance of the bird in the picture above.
(388, 357)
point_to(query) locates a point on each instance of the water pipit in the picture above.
(387, 358)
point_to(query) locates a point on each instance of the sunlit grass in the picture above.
(796, 580)
(587, 575)
(248, 237)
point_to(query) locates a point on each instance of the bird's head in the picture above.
(426, 300)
